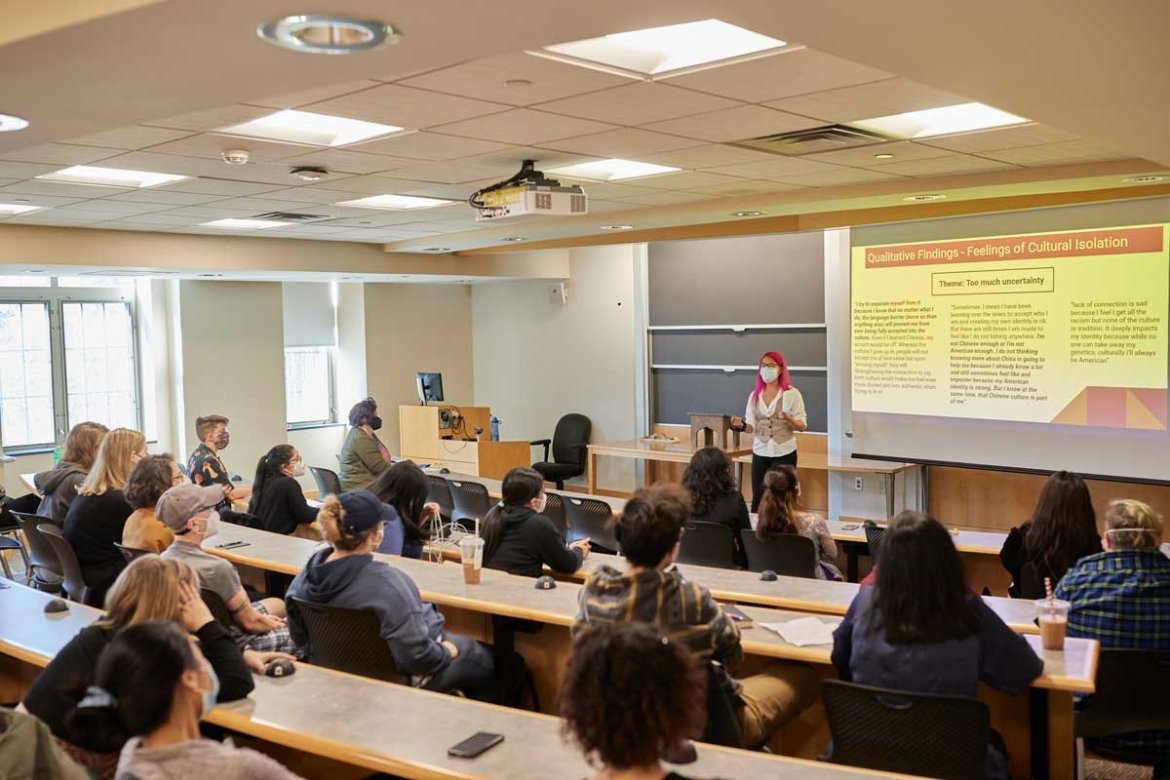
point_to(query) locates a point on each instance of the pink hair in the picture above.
(785, 382)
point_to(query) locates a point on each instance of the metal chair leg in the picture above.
(4, 563)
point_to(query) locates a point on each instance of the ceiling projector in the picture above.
(528, 193)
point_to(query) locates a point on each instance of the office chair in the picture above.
(591, 518)
(130, 553)
(348, 640)
(44, 570)
(708, 544)
(1133, 694)
(328, 483)
(569, 449)
(791, 555)
(471, 501)
(554, 509)
(72, 579)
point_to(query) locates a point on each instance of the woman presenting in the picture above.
(775, 412)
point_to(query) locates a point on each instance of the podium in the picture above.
(439, 435)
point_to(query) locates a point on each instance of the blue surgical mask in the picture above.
(210, 695)
(769, 373)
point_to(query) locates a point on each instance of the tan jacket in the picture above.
(143, 531)
(27, 750)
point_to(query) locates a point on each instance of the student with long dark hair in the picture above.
(277, 498)
(1061, 531)
(920, 629)
(715, 498)
(781, 513)
(153, 686)
(405, 488)
(520, 540)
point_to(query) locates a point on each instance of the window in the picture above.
(308, 382)
(26, 375)
(100, 376)
(24, 281)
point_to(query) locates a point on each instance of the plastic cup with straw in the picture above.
(1052, 616)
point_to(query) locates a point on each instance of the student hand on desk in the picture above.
(450, 647)
(257, 661)
(193, 613)
(583, 546)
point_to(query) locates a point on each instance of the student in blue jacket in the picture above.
(348, 576)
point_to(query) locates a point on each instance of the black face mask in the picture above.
(376, 423)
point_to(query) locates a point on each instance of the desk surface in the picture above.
(679, 452)
(424, 724)
(821, 461)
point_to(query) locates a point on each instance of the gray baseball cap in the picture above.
(182, 502)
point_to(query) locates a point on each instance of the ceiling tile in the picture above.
(256, 173)
(20, 170)
(608, 206)
(625, 143)
(404, 107)
(213, 118)
(358, 187)
(305, 97)
(427, 146)
(459, 192)
(687, 180)
(1002, 138)
(345, 161)
(136, 137)
(1053, 154)
(938, 166)
(867, 101)
(59, 217)
(211, 211)
(746, 187)
(512, 157)
(706, 156)
(638, 104)
(226, 188)
(790, 72)
(864, 156)
(839, 177)
(486, 79)
(169, 218)
(666, 198)
(454, 171)
(777, 167)
(61, 154)
(160, 196)
(734, 124)
(523, 126)
(212, 145)
(61, 190)
(116, 207)
(612, 190)
(7, 195)
(260, 205)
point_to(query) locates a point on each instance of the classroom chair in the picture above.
(72, 580)
(912, 733)
(791, 555)
(7, 544)
(554, 509)
(471, 502)
(708, 544)
(328, 483)
(570, 443)
(130, 553)
(44, 571)
(440, 493)
(11, 531)
(592, 519)
(348, 640)
(1133, 694)
(874, 536)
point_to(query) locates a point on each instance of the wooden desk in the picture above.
(424, 724)
(641, 449)
(421, 438)
(820, 461)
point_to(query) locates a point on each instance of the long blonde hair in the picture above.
(114, 461)
(1132, 525)
(147, 589)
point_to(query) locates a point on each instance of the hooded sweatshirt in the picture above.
(198, 758)
(413, 629)
(59, 488)
(528, 542)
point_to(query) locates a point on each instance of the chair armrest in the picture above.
(542, 443)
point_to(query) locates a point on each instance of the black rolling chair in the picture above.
(130, 553)
(471, 501)
(440, 493)
(791, 555)
(708, 544)
(328, 483)
(570, 443)
(348, 640)
(6, 544)
(1132, 694)
(591, 518)
(554, 509)
(44, 570)
(913, 733)
(874, 536)
(10, 540)
(218, 608)
(73, 581)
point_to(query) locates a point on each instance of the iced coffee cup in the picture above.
(1052, 616)
(471, 554)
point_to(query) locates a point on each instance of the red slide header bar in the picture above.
(1085, 243)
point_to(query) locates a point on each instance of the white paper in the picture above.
(804, 631)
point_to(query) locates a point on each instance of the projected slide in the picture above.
(1067, 328)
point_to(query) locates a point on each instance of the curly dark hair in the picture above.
(651, 523)
(708, 478)
(629, 694)
(148, 480)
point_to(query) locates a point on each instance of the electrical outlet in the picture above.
(859, 484)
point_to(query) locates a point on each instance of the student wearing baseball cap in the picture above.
(346, 575)
(189, 512)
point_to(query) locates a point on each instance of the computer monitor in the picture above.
(430, 386)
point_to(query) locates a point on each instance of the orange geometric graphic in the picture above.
(1139, 408)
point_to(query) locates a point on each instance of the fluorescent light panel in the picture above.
(303, 127)
(245, 224)
(660, 50)
(111, 177)
(612, 170)
(12, 209)
(396, 202)
(962, 118)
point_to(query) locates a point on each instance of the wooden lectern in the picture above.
(438, 435)
(710, 430)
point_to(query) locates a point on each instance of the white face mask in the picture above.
(298, 468)
(212, 525)
(770, 373)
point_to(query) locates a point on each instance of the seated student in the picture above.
(920, 629)
(97, 516)
(29, 750)
(780, 513)
(346, 575)
(520, 540)
(1121, 597)
(628, 697)
(650, 591)
(205, 467)
(151, 588)
(153, 476)
(277, 499)
(363, 455)
(58, 486)
(1063, 529)
(188, 511)
(715, 497)
(404, 487)
(152, 687)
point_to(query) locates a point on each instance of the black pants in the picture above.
(760, 466)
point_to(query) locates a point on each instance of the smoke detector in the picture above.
(235, 156)
(309, 173)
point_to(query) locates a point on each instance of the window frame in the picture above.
(330, 365)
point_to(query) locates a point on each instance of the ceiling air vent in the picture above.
(289, 216)
(829, 138)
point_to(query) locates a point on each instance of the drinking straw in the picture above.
(1051, 603)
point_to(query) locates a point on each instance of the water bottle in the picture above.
(495, 423)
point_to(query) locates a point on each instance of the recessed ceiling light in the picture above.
(326, 34)
(110, 177)
(659, 51)
(11, 209)
(434, 249)
(924, 198)
(748, 213)
(310, 174)
(617, 227)
(883, 156)
(244, 224)
(962, 118)
(513, 239)
(10, 123)
(396, 202)
(303, 127)
(1142, 179)
(612, 170)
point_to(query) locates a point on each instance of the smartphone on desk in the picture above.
(475, 745)
(850, 526)
(738, 616)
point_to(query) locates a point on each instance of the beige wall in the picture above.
(318, 447)
(536, 360)
(409, 328)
